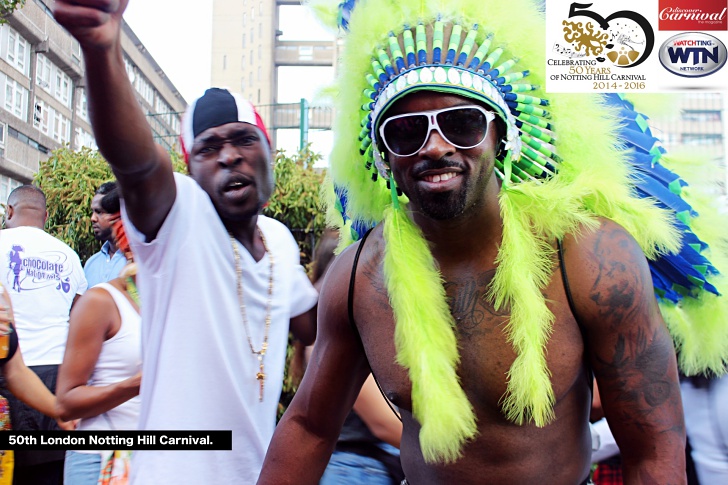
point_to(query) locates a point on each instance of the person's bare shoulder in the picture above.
(608, 273)
(95, 305)
(335, 291)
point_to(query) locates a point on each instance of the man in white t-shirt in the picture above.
(44, 277)
(219, 283)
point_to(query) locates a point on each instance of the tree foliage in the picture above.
(70, 178)
(7, 7)
(296, 200)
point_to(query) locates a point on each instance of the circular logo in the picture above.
(692, 54)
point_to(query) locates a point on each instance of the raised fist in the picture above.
(94, 23)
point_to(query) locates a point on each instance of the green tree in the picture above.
(7, 7)
(296, 200)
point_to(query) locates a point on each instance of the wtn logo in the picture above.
(700, 55)
(692, 54)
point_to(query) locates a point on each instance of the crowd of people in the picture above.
(469, 324)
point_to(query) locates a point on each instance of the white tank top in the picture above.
(119, 359)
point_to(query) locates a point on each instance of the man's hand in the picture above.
(94, 23)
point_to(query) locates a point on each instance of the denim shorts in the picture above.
(346, 468)
(82, 468)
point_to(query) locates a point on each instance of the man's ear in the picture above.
(9, 212)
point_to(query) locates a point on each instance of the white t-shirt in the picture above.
(198, 370)
(43, 275)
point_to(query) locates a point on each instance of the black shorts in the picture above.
(25, 418)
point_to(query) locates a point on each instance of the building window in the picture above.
(145, 89)
(53, 80)
(224, 61)
(252, 13)
(164, 111)
(84, 139)
(82, 104)
(130, 70)
(243, 61)
(2, 137)
(259, 73)
(63, 86)
(16, 98)
(260, 52)
(701, 115)
(7, 185)
(61, 128)
(251, 58)
(260, 8)
(250, 79)
(17, 49)
(27, 140)
(702, 138)
(260, 31)
(242, 85)
(76, 50)
(252, 35)
(244, 38)
(42, 113)
(245, 17)
(51, 122)
(43, 70)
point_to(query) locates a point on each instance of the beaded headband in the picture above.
(415, 60)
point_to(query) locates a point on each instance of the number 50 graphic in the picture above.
(581, 10)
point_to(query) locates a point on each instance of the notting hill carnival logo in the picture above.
(623, 39)
(692, 54)
(693, 15)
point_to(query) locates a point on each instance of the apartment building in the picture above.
(698, 126)
(42, 96)
(274, 53)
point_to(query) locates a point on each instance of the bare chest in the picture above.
(486, 354)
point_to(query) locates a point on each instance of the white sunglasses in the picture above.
(463, 127)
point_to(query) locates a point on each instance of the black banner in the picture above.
(116, 440)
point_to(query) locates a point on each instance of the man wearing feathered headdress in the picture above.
(504, 270)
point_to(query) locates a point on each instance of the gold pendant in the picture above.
(261, 379)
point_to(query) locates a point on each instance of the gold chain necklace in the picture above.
(260, 375)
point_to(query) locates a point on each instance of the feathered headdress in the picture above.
(553, 185)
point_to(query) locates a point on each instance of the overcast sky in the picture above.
(178, 34)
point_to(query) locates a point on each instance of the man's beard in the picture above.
(443, 205)
(103, 236)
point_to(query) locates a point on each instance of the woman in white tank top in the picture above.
(99, 378)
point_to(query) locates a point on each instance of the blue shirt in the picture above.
(101, 267)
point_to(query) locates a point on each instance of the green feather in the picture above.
(425, 340)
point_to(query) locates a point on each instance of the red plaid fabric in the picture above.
(608, 474)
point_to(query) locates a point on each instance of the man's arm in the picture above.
(303, 326)
(142, 168)
(305, 437)
(631, 353)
